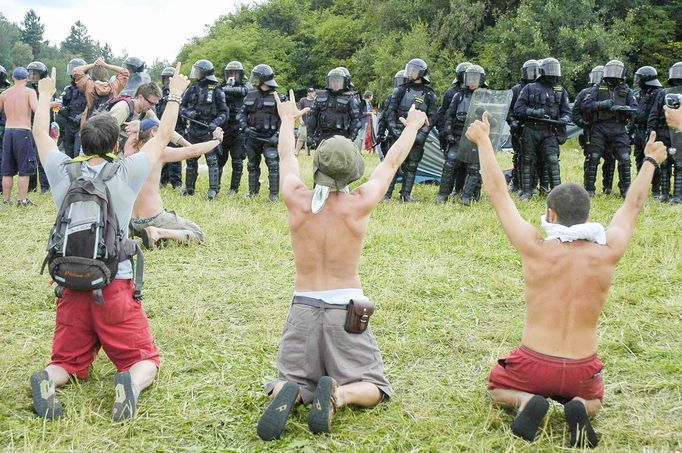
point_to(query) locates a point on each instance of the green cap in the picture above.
(337, 163)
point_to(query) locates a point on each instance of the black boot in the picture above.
(447, 182)
(408, 182)
(190, 180)
(527, 181)
(472, 185)
(656, 184)
(608, 169)
(213, 182)
(624, 176)
(254, 184)
(236, 178)
(677, 185)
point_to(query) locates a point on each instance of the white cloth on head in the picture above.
(320, 195)
(588, 231)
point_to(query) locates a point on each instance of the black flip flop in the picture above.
(147, 240)
(271, 423)
(527, 422)
(45, 402)
(126, 401)
(323, 407)
(579, 426)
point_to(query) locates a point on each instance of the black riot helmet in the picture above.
(459, 70)
(263, 74)
(647, 76)
(417, 68)
(133, 64)
(399, 78)
(530, 70)
(36, 71)
(675, 74)
(235, 70)
(614, 71)
(596, 74)
(73, 64)
(201, 70)
(167, 73)
(337, 80)
(3, 73)
(347, 73)
(474, 77)
(550, 67)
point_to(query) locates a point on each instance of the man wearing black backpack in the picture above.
(112, 316)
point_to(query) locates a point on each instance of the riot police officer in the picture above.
(543, 108)
(384, 137)
(73, 106)
(656, 122)
(646, 79)
(529, 72)
(447, 98)
(455, 118)
(416, 90)
(37, 71)
(334, 112)
(204, 107)
(609, 105)
(235, 88)
(260, 122)
(171, 172)
(137, 77)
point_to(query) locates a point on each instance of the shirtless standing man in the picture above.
(19, 154)
(150, 220)
(319, 361)
(558, 353)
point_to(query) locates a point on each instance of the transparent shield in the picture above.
(675, 149)
(496, 103)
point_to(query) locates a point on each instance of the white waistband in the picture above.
(339, 296)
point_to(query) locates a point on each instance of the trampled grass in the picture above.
(449, 292)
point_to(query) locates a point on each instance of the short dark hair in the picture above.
(147, 90)
(571, 203)
(99, 135)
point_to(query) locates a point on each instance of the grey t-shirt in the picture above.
(123, 187)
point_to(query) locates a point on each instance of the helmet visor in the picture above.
(235, 74)
(472, 80)
(335, 82)
(613, 71)
(530, 73)
(196, 73)
(551, 69)
(34, 76)
(413, 72)
(71, 66)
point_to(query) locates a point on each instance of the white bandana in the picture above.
(320, 196)
(588, 231)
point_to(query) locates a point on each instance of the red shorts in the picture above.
(552, 377)
(119, 325)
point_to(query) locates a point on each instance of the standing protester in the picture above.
(384, 137)
(138, 76)
(416, 90)
(235, 89)
(203, 105)
(18, 149)
(74, 103)
(171, 171)
(543, 109)
(92, 80)
(334, 112)
(529, 72)
(609, 105)
(455, 118)
(259, 122)
(646, 78)
(657, 122)
(302, 136)
(342, 363)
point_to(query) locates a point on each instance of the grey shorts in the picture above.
(315, 344)
(302, 133)
(170, 221)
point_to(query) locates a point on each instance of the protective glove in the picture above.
(451, 139)
(421, 137)
(273, 140)
(191, 114)
(605, 105)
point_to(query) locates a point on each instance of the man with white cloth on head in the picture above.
(567, 277)
(327, 355)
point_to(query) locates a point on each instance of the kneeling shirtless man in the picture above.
(558, 353)
(319, 362)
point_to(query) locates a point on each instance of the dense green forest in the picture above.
(303, 39)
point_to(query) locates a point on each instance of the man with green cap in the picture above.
(328, 355)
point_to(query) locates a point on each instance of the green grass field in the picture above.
(449, 293)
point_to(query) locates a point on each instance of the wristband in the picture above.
(652, 161)
(174, 98)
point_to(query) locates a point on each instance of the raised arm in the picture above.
(154, 147)
(290, 180)
(623, 223)
(41, 120)
(522, 234)
(192, 151)
(373, 191)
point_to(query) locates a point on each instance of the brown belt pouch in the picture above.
(357, 316)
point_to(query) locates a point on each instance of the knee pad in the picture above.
(211, 159)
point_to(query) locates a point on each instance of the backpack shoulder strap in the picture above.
(73, 170)
(131, 109)
(109, 170)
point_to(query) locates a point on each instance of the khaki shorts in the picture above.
(170, 221)
(315, 344)
(302, 133)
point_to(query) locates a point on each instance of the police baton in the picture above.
(198, 123)
(550, 121)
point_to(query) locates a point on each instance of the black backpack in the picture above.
(86, 244)
(112, 101)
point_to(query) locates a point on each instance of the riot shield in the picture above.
(135, 80)
(675, 149)
(496, 103)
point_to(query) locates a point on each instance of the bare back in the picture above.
(566, 287)
(149, 202)
(18, 102)
(327, 245)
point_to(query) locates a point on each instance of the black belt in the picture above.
(318, 303)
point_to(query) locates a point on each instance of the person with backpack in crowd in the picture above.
(92, 79)
(106, 312)
(74, 103)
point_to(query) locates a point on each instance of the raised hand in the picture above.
(178, 83)
(655, 149)
(48, 85)
(415, 118)
(288, 109)
(479, 130)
